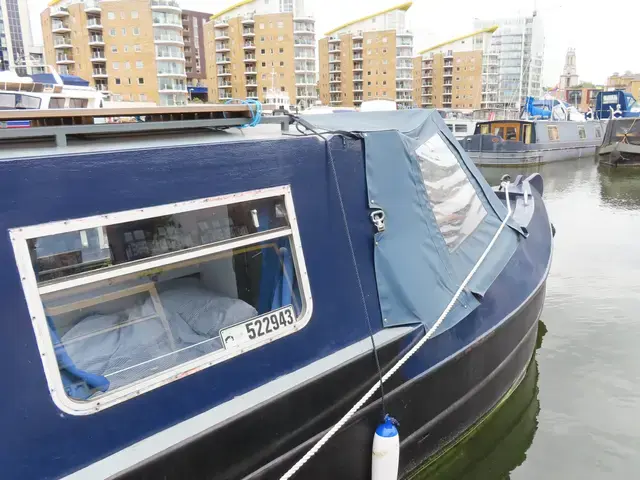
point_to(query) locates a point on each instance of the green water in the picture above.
(576, 414)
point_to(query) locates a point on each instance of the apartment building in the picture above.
(258, 47)
(514, 61)
(193, 36)
(133, 50)
(17, 50)
(368, 58)
(451, 73)
(628, 81)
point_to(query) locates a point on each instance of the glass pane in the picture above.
(112, 335)
(454, 201)
(65, 254)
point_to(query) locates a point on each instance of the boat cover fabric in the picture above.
(418, 266)
(66, 79)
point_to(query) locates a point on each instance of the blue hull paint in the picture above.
(52, 444)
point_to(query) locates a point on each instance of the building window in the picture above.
(124, 31)
(129, 81)
(111, 15)
(127, 66)
(115, 65)
(369, 73)
(134, 14)
(280, 38)
(262, 51)
(264, 64)
(282, 64)
(139, 64)
(261, 26)
(384, 39)
(136, 47)
(125, 49)
(281, 50)
(368, 83)
(112, 32)
(114, 49)
(210, 251)
(136, 31)
(262, 39)
(280, 24)
(117, 81)
(384, 82)
(368, 94)
(140, 81)
(143, 97)
(369, 42)
(449, 190)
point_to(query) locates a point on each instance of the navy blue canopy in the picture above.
(440, 215)
(66, 79)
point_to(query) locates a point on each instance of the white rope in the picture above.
(292, 471)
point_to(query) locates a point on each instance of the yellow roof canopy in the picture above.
(477, 32)
(402, 6)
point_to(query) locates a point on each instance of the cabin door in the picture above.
(507, 131)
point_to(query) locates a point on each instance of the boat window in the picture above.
(598, 132)
(134, 300)
(484, 129)
(56, 102)
(553, 133)
(11, 101)
(582, 134)
(511, 133)
(526, 137)
(449, 126)
(461, 128)
(499, 132)
(455, 203)
(78, 102)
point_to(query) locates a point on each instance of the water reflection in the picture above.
(500, 442)
(620, 187)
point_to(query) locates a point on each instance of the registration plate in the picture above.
(257, 328)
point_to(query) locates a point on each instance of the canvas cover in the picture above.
(440, 215)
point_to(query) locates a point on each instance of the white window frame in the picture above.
(19, 237)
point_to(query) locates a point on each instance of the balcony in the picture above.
(224, 85)
(167, 20)
(357, 87)
(94, 23)
(357, 35)
(335, 90)
(250, 71)
(303, 29)
(357, 78)
(98, 58)
(427, 75)
(404, 33)
(357, 99)
(62, 42)
(224, 73)
(403, 53)
(335, 79)
(249, 59)
(60, 27)
(58, 12)
(335, 69)
(247, 19)
(334, 59)
(168, 87)
(165, 6)
(223, 60)
(102, 87)
(334, 39)
(166, 39)
(64, 59)
(251, 82)
(222, 47)
(249, 46)
(357, 67)
(248, 32)
(448, 54)
(99, 73)
(96, 40)
(357, 57)
(171, 72)
(225, 96)
(357, 47)
(92, 6)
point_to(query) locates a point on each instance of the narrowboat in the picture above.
(190, 299)
(524, 142)
(621, 144)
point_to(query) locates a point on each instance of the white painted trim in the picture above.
(183, 431)
(32, 293)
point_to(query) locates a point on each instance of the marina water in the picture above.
(576, 412)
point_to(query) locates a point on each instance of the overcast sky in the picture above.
(567, 23)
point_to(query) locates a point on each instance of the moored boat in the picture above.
(621, 144)
(209, 303)
(523, 142)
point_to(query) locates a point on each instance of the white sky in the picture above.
(600, 50)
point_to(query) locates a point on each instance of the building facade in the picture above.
(17, 50)
(629, 82)
(369, 58)
(451, 73)
(133, 50)
(513, 62)
(259, 47)
(569, 77)
(193, 35)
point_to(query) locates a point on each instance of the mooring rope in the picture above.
(327, 436)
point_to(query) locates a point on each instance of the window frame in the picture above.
(32, 291)
(557, 135)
